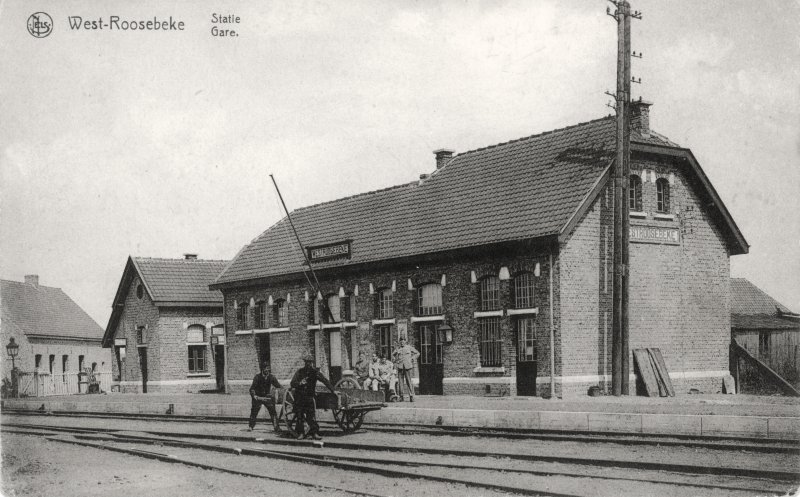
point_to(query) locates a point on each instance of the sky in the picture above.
(117, 142)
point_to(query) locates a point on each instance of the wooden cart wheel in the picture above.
(289, 414)
(358, 419)
(347, 382)
(338, 416)
(348, 420)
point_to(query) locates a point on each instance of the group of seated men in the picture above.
(378, 374)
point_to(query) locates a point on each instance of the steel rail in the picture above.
(390, 473)
(714, 442)
(172, 459)
(777, 475)
(356, 463)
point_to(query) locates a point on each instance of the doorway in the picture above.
(526, 357)
(335, 346)
(264, 354)
(219, 366)
(431, 366)
(143, 366)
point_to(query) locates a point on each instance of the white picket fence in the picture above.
(43, 384)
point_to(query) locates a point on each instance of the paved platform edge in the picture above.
(662, 424)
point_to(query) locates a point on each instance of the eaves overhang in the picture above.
(739, 244)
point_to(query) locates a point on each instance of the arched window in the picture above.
(662, 195)
(523, 291)
(261, 315)
(280, 314)
(490, 293)
(241, 316)
(385, 303)
(635, 193)
(336, 311)
(429, 299)
(313, 310)
(348, 305)
(195, 340)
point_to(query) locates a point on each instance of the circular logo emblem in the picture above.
(40, 25)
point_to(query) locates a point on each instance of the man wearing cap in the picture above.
(260, 395)
(405, 355)
(304, 383)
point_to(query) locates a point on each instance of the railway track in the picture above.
(521, 474)
(764, 445)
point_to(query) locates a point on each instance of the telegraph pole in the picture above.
(620, 368)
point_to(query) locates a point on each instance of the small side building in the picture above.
(766, 328)
(56, 337)
(166, 326)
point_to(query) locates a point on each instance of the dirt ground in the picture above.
(33, 467)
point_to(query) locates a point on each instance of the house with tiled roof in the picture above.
(166, 326)
(56, 337)
(766, 328)
(497, 267)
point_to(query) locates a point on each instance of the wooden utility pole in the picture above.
(620, 368)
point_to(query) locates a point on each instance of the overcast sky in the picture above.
(117, 143)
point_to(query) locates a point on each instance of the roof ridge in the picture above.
(37, 286)
(178, 260)
(543, 133)
(371, 192)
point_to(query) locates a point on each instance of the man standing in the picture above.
(404, 356)
(304, 383)
(260, 395)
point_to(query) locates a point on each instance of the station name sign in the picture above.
(653, 234)
(338, 250)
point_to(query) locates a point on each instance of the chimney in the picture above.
(32, 280)
(443, 156)
(640, 116)
(190, 257)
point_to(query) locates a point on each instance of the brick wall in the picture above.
(586, 270)
(678, 302)
(167, 349)
(679, 293)
(460, 299)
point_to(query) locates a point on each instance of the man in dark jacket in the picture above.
(304, 383)
(260, 395)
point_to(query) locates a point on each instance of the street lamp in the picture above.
(445, 333)
(13, 349)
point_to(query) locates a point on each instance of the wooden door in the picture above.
(335, 356)
(143, 366)
(264, 353)
(219, 366)
(431, 366)
(526, 357)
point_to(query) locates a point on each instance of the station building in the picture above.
(166, 326)
(498, 268)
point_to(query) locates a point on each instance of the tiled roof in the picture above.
(762, 322)
(522, 189)
(748, 299)
(44, 310)
(180, 280)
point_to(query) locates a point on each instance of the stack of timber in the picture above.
(652, 373)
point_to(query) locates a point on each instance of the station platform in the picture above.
(697, 415)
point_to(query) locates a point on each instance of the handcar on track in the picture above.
(348, 405)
